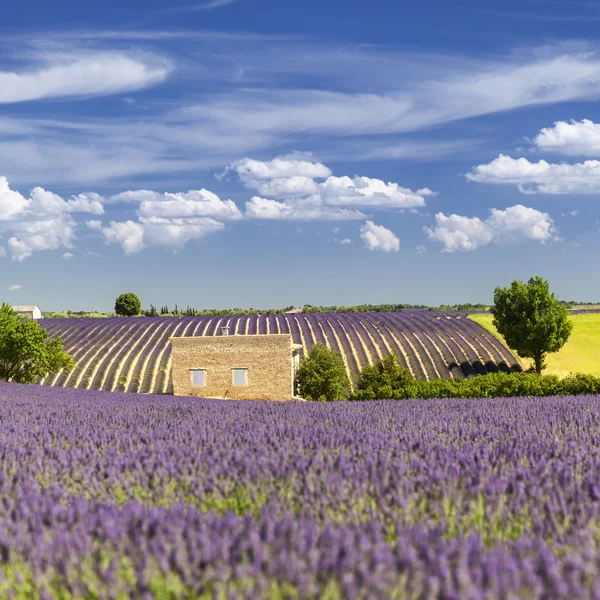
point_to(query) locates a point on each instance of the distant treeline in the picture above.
(188, 311)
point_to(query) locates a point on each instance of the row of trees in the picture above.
(129, 305)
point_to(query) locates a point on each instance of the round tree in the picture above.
(128, 305)
(322, 375)
(26, 351)
(531, 319)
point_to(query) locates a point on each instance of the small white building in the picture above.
(28, 310)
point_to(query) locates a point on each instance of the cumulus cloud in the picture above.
(133, 236)
(540, 177)
(253, 172)
(195, 203)
(510, 226)
(263, 208)
(289, 189)
(364, 191)
(577, 138)
(43, 221)
(345, 241)
(14, 287)
(68, 255)
(166, 219)
(2, 251)
(87, 74)
(378, 237)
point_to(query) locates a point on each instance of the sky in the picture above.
(259, 153)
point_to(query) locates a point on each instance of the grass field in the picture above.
(581, 354)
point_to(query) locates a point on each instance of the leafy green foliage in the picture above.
(128, 305)
(322, 375)
(492, 385)
(26, 351)
(385, 379)
(531, 319)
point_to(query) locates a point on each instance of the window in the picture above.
(240, 376)
(198, 377)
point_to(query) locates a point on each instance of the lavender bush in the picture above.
(127, 496)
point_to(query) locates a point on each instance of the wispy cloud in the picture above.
(216, 4)
(14, 287)
(211, 5)
(263, 97)
(82, 74)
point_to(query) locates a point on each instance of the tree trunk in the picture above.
(538, 360)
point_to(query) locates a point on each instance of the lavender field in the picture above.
(121, 354)
(120, 495)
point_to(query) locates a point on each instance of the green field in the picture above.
(581, 354)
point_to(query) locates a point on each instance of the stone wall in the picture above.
(268, 359)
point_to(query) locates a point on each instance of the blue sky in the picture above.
(259, 153)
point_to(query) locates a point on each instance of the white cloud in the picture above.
(38, 236)
(421, 249)
(156, 231)
(129, 234)
(11, 203)
(14, 287)
(509, 226)
(540, 177)
(2, 251)
(296, 193)
(94, 224)
(68, 255)
(378, 237)
(577, 138)
(254, 172)
(295, 186)
(87, 74)
(345, 241)
(176, 232)
(86, 203)
(364, 191)
(41, 222)
(263, 208)
(195, 203)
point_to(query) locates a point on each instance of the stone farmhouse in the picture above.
(28, 310)
(240, 367)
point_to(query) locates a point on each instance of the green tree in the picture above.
(384, 379)
(26, 351)
(531, 319)
(128, 305)
(322, 375)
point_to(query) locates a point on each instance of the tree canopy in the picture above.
(26, 351)
(531, 319)
(322, 375)
(128, 305)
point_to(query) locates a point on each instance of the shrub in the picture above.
(385, 379)
(492, 385)
(322, 375)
